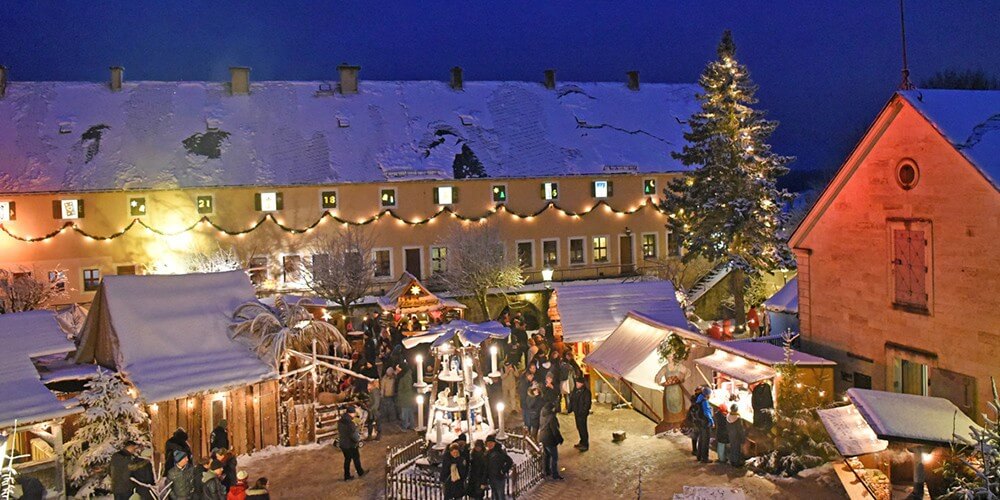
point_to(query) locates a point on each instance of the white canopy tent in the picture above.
(590, 311)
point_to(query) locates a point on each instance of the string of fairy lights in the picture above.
(326, 215)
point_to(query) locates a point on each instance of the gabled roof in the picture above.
(81, 136)
(169, 335)
(969, 120)
(23, 396)
(592, 310)
(401, 297)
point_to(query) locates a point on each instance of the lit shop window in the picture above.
(649, 246)
(499, 193)
(444, 195)
(329, 199)
(7, 211)
(388, 198)
(600, 249)
(67, 209)
(206, 204)
(137, 207)
(649, 187)
(601, 189)
(550, 190)
(269, 202)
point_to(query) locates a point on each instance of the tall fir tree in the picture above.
(111, 418)
(729, 208)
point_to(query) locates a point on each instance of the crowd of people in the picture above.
(723, 424)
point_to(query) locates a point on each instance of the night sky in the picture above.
(824, 68)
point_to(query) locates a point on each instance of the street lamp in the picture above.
(547, 275)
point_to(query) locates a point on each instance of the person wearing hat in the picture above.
(737, 434)
(220, 435)
(350, 438)
(239, 490)
(259, 490)
(142, 474)
(181, 477)
(454, 472)
(580, 401)
(211, 479)
(122, 486)
(228, 462)
(498, 465)
(177, 442)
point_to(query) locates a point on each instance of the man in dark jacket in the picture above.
(498, 465)
(454, 472)
(350, 438)
(579, 403)
(177, 442)
(551, 438)
(121, 482)
(704, 425)
(142, 474)
(228, 462)
(220, 436)
(478, 480)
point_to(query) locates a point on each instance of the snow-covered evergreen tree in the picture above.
(975, 471)
(729, 209)
(111, 418)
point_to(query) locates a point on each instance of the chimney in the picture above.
(239, 80)
(117, 74)
(348, 78)
(550, 79)
(456, 78)
(633, 79)
(3, 80)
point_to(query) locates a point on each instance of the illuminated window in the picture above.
(7, 211)
(526, 254)
(206, 204)
(445, 195)
(67, 209)
(59, 278)
(137, 207)
(91, 279)
(649, 187)
(438, 259)
(269, 202)
(550, 190)
(600, 249)
(550, 253)
(601, 189)
(291, 267)
(383, 262)
(499, 193)
(329, 199)
(649, 246)
(258, 270)
(576, 252)
(388, 198)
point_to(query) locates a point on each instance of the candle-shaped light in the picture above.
(420, 412)
(467, 370)
(500, 433)
(493, 357)
(420, 371)
(439, 423)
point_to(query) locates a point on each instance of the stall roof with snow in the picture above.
(23, 396)
(911, 418)
(81, 136)
(410, 296)
(850, 433)
(630, 352)
(785, 300)
(753, 362)
(169, 335)
(590, 311)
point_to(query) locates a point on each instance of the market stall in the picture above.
(889, 441)
(782, 308)
(410, 302)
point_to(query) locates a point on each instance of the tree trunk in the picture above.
(345, 310)
(483, 305)
(737, 287)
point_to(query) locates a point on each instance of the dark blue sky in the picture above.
(824, 68)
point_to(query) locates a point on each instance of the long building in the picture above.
(130, 177)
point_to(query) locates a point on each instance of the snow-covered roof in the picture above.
(169, 335)
(80, 136)
(737, 367)
(769, 354)
(850, 433)
(400, 298)
(911, 418)
(630, 351)
(969, 119)
(591, 311)
(785, 300)
(23, 396)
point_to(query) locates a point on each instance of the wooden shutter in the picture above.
(454, 194)
(593, 189)
(56, 209)
(910, 267)
(437, 195)
(256, 202)
(79, 209)
(611, 190)
(279, 201)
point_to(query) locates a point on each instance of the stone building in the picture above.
(898, 259)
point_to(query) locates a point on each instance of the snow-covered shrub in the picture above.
(111, 418)
(21, 291)
(974, 471)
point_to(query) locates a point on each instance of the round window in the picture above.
(907, 174)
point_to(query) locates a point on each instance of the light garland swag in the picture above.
(325, 215)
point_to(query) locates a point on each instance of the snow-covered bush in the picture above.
(111, 418)
(974, 471)
(21, 291)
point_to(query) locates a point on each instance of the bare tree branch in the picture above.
(343, 267)
(22, 291)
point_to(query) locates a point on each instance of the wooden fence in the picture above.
(398, 486)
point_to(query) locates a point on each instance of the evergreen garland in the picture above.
(673, 349)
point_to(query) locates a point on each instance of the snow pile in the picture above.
(80, 136)
(25, 336)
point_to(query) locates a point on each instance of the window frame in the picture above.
(436, 195)
(279, 201)
(506, 190)
(61, 287)
(926, 226)
(395, 198)
(553, 187)
(569, 247)
(517, 254)
(656, 246)
(298, 278)
(390, 274)
(608, 189)
(10, 212)
(646, 180)
(85, 280)
(144, 205)
(607, 249)
(264, 269)
(443, 260)
(545, 265)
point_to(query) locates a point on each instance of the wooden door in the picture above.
(413, 262)
(625, 254)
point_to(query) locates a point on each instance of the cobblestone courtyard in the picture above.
(607, 470)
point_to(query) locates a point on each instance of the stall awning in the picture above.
(736, 367)
(910, 418)
(850, 433)
(591, 311)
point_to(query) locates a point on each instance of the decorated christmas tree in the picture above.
(111, 418)
(729, 208)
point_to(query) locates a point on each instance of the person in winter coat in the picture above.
(30, 488)
(523, 385)
(181, 477)
(550, 392)
(374, 423)
(120, 475)
(509, 383)
(721, 433)
(388, 387)
(498, 465)
(454, 472)
(177, 442)
(228, 462)
(211, 479)
(737, 434)
(239, 490)
(533, 412)
(142, 474)
(406, 396)
(349, 441)
(551, 438)
(580, 401)
(704, 425)
(259, 490)
(478, 480)
(220, 435)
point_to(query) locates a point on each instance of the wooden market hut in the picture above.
(410, 297)
(169, 337)
(32, 417)
(782, 308)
